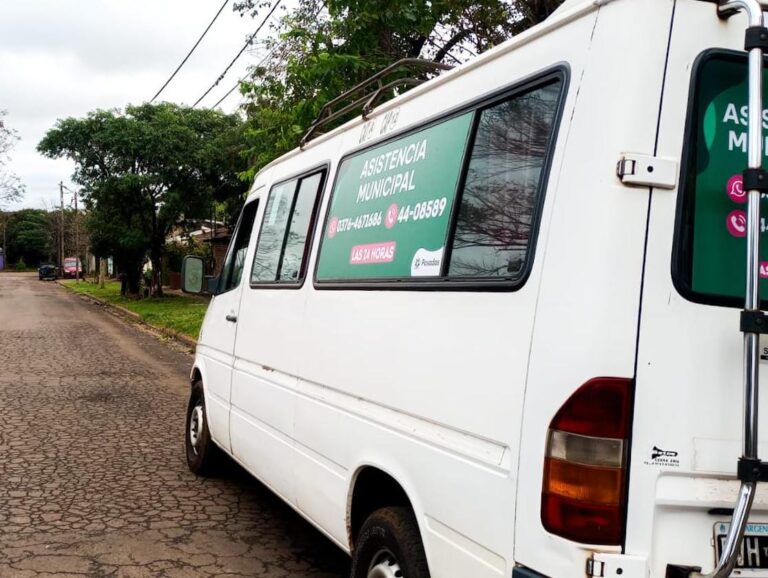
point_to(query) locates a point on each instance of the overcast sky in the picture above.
(61, 58)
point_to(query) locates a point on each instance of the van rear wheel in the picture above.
(389, 546)
(203, 456)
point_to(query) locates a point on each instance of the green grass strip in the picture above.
(180, 313)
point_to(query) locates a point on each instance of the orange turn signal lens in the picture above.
(587, 484)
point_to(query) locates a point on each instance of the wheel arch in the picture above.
(372, 487)
(197, 373)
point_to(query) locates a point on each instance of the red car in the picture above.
(72, 268)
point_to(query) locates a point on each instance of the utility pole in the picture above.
(61, 231)
(78, 263)
(5, 253)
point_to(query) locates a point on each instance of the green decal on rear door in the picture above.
(391, 206)
(718, 259)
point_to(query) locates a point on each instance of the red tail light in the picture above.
(585, 478)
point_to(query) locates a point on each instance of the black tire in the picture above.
(390, 536)
(204, 457)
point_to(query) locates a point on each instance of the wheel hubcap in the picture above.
(385, 565)
(196, 421)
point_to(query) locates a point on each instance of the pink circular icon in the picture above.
(735, 189)
(333, 225)
(391, 217)
(763, 269)
(736, 223)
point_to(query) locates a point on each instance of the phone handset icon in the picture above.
(736, 223)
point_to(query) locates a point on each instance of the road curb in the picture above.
(180, 337)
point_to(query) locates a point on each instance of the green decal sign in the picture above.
(391, 206)
(718, 263)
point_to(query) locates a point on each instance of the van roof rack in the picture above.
(367, 98)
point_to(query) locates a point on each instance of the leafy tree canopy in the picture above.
(325, 47)
(144, 170)
(30, 236)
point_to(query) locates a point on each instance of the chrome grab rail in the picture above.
(730, 553)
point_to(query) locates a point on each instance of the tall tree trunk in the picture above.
(156, 257)
(156, 252)
(102, 272)
(130, 277)
(133, 280)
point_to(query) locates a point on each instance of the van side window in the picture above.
(281, 251)
(501, 189)
(234, 262)
(298, 229)
(454, 203)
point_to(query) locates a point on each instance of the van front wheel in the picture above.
(203, 456)
(389, 546)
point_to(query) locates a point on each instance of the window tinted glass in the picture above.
(711, 243)
(267, 258)
(501, 191)
(234, 262)
(288, 219)
(296, 238)
(428, 206)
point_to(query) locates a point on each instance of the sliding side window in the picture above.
(281, 252)
(500, 198)
(455, 203)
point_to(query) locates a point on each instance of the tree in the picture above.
(29, 236)
(146, 169)
(325, 47)
(11, 188)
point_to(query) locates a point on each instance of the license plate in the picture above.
(754, 548)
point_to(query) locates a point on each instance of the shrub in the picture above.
(176, 251)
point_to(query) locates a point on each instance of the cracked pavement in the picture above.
(93, 480)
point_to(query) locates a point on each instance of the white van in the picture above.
(460, 342)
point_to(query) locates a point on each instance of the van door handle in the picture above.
(232, 318)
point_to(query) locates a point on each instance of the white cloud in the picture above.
(62, 58)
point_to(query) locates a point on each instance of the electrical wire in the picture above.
(231, 90)
(239, 54)
(263, 61)
(183, 62)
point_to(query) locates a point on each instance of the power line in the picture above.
(231, 90)
(183, 62)
(239, 54)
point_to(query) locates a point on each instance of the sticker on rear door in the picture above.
(661, 457)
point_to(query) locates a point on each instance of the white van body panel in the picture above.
(451, 393)
(376, 387)
(289, 412)
(215, 354)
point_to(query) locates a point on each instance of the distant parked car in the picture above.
(72, 268)
(46, 271)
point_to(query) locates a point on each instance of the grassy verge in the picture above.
(177, 312)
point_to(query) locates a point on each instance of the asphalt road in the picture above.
(93, 480)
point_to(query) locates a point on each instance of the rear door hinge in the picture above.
(607, 565)
(595, 568)
(636, 170)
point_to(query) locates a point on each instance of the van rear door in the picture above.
(688, 404)
(589, 300)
